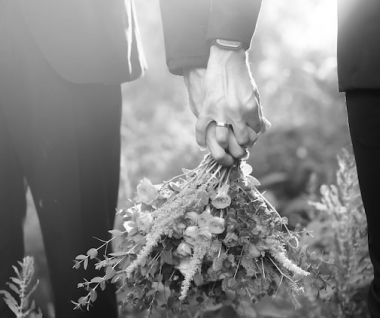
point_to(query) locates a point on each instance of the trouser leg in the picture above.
(67, 140)
(12, 212)
(364, 121)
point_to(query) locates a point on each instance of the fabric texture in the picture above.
(190, 26)
(358, 44)
(363, 108)
(63, 139)
(87, 41)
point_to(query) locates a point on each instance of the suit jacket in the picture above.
(358, 44)
(194, 23)
(190, 25)
(87, 41)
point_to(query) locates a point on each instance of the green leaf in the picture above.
(118, 254)
(140, 239)
(85, 263)
(110, 272)
(81, 257)
(92, 253)
(151, 292)
(9, 297)
(159, 278)
(93, 295)
(12, 307)
(16, 270)
(116, 232)
(16, 281)
(82, 301)
(97, 280)
(167, 257)
(132, 232)
(14, 288)
(253, 181)
(174, 187)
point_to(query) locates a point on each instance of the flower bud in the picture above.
(231, 239)
(146, 191)
(203, 218)
(254, 251)
(222, 199)
(184, 249)
(216, 225)
(204, 236)
(190, 233)
(144, 222)
(191, 218)
(127, 225)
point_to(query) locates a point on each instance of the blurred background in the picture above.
(292, 59)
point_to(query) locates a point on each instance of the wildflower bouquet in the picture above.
(202, 238)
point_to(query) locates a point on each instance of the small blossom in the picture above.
(184, 265)
(231, 239)
(178, 230)
(146, 191)
(190, 234)
(144, 222)
(127, 225)
(203, 198)
(254, 251)
(203, 218)
(222, 199)
(216, 225)
(191, 218)
(246, 168)
(204, 236)
(184, 249)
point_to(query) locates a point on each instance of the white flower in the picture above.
(245, 168)
(222, 199)
(191, 218)
(146, 191)
(127, 225)
(216, 225)
(231, 239)
(203, 218)
(144, 222)
(190, 233)
(254, 251)
(184, 249)
(204, 236)
(184, 265)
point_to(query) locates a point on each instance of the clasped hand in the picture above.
(225, 92)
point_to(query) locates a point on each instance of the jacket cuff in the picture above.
(185, 27)
(233, 20)
(177, 65)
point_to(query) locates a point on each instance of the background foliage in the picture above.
(293, 62)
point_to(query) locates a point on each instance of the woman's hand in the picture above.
(225, 92)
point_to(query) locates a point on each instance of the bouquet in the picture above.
(205, 237)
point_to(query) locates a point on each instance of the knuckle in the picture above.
(240, 154)
(222, 141)
(219, 156)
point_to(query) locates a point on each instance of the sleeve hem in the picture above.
(176, 65)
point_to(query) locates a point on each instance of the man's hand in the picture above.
(225, 92)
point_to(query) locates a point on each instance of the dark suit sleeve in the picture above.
(190, 25)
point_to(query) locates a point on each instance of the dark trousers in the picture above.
(64, 140)
(364, 121)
